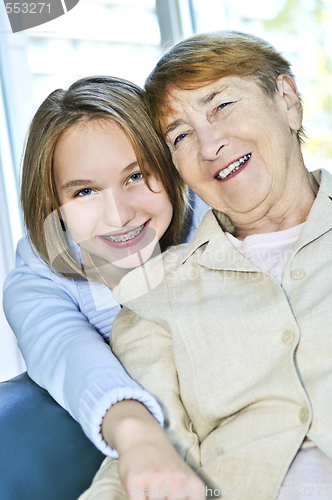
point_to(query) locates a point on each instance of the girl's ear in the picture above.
(288, 91)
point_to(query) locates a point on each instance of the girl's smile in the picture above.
(125, 236)
(128, 238)
(106, 204)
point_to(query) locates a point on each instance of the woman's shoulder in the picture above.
(154, 277)
(149, 278)
(173, 255)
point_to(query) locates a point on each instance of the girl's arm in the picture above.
(63, 352)
(66, 355)
(148, 461)
(145, 349)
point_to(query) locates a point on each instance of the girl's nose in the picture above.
(118, 210)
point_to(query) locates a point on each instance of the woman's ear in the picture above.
(288, 91)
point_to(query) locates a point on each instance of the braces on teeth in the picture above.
(233, 167)
(126, 237)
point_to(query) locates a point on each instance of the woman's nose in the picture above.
(210, 142)
(118, 210)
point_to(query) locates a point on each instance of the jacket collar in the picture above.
(319, 220)
(217, 252)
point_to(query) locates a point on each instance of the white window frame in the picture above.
(176, 20)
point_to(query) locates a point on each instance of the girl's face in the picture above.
(109, 210)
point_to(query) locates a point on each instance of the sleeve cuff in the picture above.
(98, 399)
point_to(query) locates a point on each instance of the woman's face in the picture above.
(233, 145)
(108, 209)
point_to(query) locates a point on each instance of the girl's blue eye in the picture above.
(135, 177)
(84, 192)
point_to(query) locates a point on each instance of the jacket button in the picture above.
(304, 415)
(298, 274)
(288, 337)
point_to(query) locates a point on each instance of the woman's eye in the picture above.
(135, 177)
(223, 105)
(84, 192)
(179, 138)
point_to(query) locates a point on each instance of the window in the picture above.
(113, 37)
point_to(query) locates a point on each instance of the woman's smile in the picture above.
(233, 168)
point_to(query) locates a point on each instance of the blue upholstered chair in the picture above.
(44, 454)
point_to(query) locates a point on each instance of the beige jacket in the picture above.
(241, 365)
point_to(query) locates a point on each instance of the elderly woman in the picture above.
(236, 341)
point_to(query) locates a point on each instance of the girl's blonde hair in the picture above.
(202, 59)
(92, 98)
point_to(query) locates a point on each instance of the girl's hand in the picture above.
(157, 471)
(149, 466)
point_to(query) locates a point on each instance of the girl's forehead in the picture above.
(86, 127)
(94, 123)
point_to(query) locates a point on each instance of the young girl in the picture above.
(98, 192)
